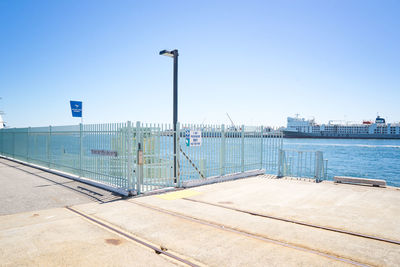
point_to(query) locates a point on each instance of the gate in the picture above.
(228, 150)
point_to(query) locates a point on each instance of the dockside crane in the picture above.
(233, 125)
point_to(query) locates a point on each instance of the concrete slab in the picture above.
(24, 188)
(362, 250)
(357, 180)
(205, 244)
(362, 209)
(57, 237)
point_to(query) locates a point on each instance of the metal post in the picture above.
(49, 155)
(139, 159)
(177, 176)
(262, 146)
(130, 151)
(13, 154)
(174, 54)
(48, 148)
(318, 166)
(281, 156)
(27, 144)
(175, 115)
(222, 151)
(80, 149)
(242, 154)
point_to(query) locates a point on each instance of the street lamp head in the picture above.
(169, 53)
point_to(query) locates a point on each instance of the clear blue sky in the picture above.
(260, 61)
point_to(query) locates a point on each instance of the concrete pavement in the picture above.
(57, 237)
(24, 188)
(233, 223)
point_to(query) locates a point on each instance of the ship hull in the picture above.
(290, 134)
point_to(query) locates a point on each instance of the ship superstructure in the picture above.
(2, 123)
(301, 128)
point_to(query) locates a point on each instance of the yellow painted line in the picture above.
(178, 194)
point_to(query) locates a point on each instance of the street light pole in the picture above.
(174, 54)
(175, 121)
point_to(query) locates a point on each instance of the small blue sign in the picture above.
(76, 108)
(187, 135)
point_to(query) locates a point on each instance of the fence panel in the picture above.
(252, 140)
(199, 162)
(103, 154)
(8, 142)
(272, 143)
(38, 146)
(97, 151)
(226, 150)
(298, 163)
(234, 148)
(157, 142)
(20, 143)
(63, 148)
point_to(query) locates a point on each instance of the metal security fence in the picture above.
(97, 152)
(106, 153)
(272, 142)
(296, 163)
(139, 157)
(156, 143)
(226, 150)
(204, 160)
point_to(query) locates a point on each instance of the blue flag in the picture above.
(76, 108)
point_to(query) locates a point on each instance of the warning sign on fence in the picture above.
(193, 138)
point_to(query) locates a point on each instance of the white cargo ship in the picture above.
(301, 128)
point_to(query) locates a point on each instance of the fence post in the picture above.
(177, 152)
(262, 146)
(13, 154)
(129, 141)
(27, 143)
(318, 166)
(222, 151)
(139, 157)
(1, 141)
(80, 149)
(242, 154)
(281, 157)
(49, 148)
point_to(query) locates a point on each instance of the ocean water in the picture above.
(369, 158)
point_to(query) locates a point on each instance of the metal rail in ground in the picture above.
(148, 245)
(299, 222)
(251, 235)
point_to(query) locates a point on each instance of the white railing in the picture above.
(297, 163)
(139, 157)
